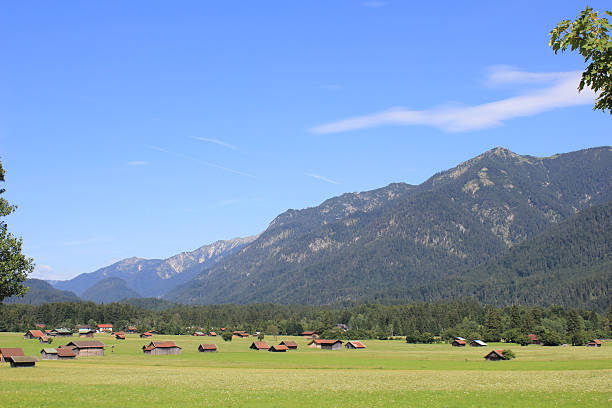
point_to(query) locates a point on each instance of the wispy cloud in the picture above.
(138, 163)
(319, 177)
(195, 159)
(374, 4)
(559, 91)
(215, 141)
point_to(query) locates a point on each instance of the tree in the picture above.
(589, 35)
(14, 266)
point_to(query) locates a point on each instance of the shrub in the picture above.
(523, 340)
(260, 336)
(508, 354)
(227, 336)
(551, 338)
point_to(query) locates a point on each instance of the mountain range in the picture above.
(443, 238)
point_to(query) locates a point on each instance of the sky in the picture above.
(148, 128)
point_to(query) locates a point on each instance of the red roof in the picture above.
(208, 346)
(532, 337)
(7, 352)
(323, 341)
(86, 344)
(595, 341)
(357, 344)
(212, 333)
(280, 347)
(460, 341)
(35, 333)
(308, 333)
(160, 344)
(289, 343)
(260, 345)
(66, 352)
(105, 326)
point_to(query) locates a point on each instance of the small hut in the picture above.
(43, 339)
(354, 345)
(22, 361)
(594, 343)
(458, 343)
(49, 354)
(240, 334)
(66, 354)
(146, 335)
(84, 333)
(33, 334)
(198, 333)
(86, 348)
(495, 355)
(326, 344)
(157, 348)
(291, 345)
(207, 348)
(120, 335)
(309, 334)
(478, 343)
(61, 332)
(278, 349)
(5, 353)
(132, 329)
(212, 333)
(534, 339)
(259, 345)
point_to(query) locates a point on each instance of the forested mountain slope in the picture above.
(401, 236)
(41, 292)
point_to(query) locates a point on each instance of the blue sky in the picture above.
(149, 128)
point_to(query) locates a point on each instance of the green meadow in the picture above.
(386, 373)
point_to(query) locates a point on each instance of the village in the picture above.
(85, 346)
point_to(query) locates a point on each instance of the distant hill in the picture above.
(109, 290)
(149, 303)
(155, 277)
(402, 237)
(41, 292)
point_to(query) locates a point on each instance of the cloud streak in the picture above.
(215, 141)
(561, 92)
(323, 178)
(195, 159)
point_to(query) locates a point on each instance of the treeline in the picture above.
(418, 322)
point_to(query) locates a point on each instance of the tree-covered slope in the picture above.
(40, 292)
(109, 290)
(403, 236)
(570, 264)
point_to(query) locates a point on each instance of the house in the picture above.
(495, 355)
(157, 348)
(22, 361)
(86, 333)
(309, 334)
(120, 335)
(8, 352)
(240, 334)
(534, 339)
(259, 345)
(458, 343)
(478, 343)
(105, 328)
(49, 354)
(146, 335)
(354, 345)
(57, 354)
(199, 333)
(206, 348)
(594, 343)
(33, 334)
(459, 338)
(291, 345)
(212, 333)
(131, 329)
(326, 344)
(278, 349)
(43, 339)
(80, 327)
(86, 348)
(61, 332)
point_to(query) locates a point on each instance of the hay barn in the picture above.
(278, 349)
(158, 348)
(594, 343)
(22, 361)
(291, 345)
(458, 343)
(354, 345)
(6, 352)
(207, 348)
(87, 348)
(33, 334)
(495, 355)
(259, 345)
(326, 344)
(478, 343)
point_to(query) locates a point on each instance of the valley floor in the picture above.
(386, 373)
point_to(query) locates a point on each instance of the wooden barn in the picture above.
(309, 334)
(132, 329)
(207, 348)
(22, 361)
(87, 348)
(5, 353)
(146, 335)
(326, 344)
(158, 348)
(495, 355)
(198, 333)
(43, 339)
(291, 345)
(259, 345)
(458, 343)
(354, 345)
(240, 334)
(49, 354)
(61, 332)
(120, 335)
(33, 334)
(478, 343)
(594, 343)
(212, 333)
(278, 349)
(84, 333)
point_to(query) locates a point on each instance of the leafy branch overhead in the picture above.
(589, 34)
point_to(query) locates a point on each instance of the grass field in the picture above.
(387, 373)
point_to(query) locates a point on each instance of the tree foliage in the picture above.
(14, 266)
(589, 34)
